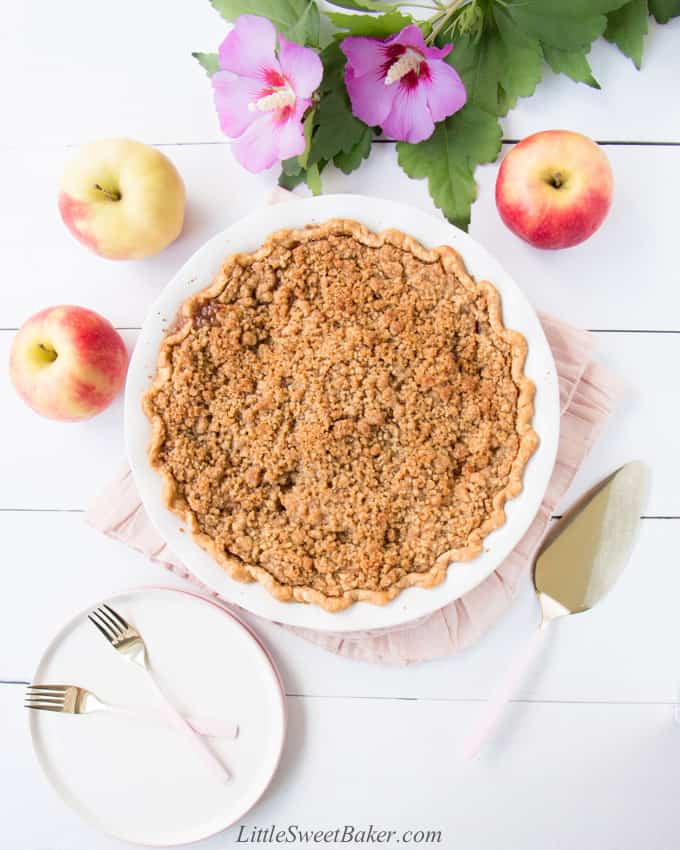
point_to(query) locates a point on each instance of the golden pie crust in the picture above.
(342, 414)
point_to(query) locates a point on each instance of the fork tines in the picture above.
(46, 697)
(108, 621)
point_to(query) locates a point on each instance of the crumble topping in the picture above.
(341, 414)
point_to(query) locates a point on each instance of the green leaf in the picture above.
(499, 67)
(290, 181)
(297, 20)
(308, 127)
(370, 25)
(365, 5)
(337, 130)
(350, 161)
(208, 61)
(333, 66)
(332, 132)
(293, 174)
(449, 157)
(627, 28)
(306, 30)
(292, 167)
(566, 24)
(664, 10)
(479, 64)
(313, 179)
(336, 133)
(572, 63)
(522, 60)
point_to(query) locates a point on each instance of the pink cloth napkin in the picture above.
(588, 394)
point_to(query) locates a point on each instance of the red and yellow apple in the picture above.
(122, 199)
(68, 363)
(554, 188)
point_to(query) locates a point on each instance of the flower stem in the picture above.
(442, 18)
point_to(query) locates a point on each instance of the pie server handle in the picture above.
(492, 710)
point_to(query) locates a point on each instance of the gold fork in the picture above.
(68, 699)
(71, 699)
(125, 638)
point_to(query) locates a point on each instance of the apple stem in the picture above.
(52, 354)
(557, 179)
(112, 196)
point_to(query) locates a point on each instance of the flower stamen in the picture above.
(409, 61)
(279, 98)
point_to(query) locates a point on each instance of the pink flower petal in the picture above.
(363, 54)
(444, 90)
(249, 49)
(257, 148)
(410, 36)
(271, 138)
(289, 132)
(232, 96)
(371, 99)
(301, 66)
(437, 52)
(409, 119)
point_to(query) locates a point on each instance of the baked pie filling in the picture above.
(341, 414)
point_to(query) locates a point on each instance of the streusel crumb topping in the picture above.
(340, 410)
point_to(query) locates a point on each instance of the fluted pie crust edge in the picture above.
(452, 262)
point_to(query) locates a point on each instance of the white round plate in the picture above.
(134, 777)
(247, 235)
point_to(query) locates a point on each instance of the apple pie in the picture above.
(341, 414)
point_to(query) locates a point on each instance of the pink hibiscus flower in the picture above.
(400, 84)
(260, 96)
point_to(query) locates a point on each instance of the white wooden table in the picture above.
(590, 754)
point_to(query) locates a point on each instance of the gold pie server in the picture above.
(576, 565)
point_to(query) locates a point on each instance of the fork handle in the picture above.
(182, 724)
(212, 727)
(209, 727)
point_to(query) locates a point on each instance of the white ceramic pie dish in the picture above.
(378, 215)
